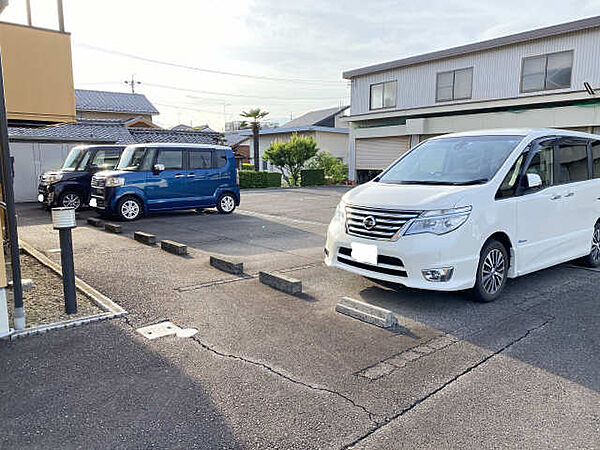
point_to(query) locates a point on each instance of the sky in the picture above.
(204, 62)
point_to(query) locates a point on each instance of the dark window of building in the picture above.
(551, 71)
(383, 95)
(454, 85)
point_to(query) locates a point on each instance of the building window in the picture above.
(383, 95)
(454, 85)
(551, 71)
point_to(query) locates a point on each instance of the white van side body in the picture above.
(540, 229)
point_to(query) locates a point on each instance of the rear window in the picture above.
(572, 161)
(200, 159)
(219, 159)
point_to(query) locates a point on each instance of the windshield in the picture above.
(453, 160)
(77, 159)
(132, 158)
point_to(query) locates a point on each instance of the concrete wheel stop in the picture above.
(281, 282)
(227, 266)
(372, 314)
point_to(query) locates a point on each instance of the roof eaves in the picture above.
(540, 33)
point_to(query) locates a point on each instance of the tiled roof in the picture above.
(233, 139)
(313, 117)
(86, 100)
(111, 131)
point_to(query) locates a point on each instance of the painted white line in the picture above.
(280, 218)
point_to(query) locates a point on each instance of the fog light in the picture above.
(440, 274)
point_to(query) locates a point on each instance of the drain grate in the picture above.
(165, 328)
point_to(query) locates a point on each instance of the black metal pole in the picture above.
(11, 215)
(68, 271)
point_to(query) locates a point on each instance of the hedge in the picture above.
(312, 177)
(247, 166)
(262, 179)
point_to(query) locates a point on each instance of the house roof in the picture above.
(283, 130)
(314, 117)
(234, 139)
(86, 100)
(110, 131)
(539, 33)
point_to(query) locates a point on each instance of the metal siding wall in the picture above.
(378, 153)
(496, 73)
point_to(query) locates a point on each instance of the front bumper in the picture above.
(46, 194)
(402, 261)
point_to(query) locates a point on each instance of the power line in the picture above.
(197, 91)
(201, 69)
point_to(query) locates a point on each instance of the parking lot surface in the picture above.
(272, 370)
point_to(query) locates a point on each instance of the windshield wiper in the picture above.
(476, 181)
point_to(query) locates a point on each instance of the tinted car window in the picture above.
(220, 159)
(200, 159)
(171, 159)
(596, 159)
(572, 160)
(509, 184)
(105, 158)
(543, 164)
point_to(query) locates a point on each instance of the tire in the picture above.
(593, 259)
(71, 199)
(130, 209)
(492, 272)
(226, 203)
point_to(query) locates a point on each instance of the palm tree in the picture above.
(255, 114)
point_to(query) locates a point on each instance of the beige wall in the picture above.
(38, 74)
(110, 115)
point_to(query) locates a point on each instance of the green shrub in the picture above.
(263, 179)
(335, 170)
(312, 177)
(247, 166)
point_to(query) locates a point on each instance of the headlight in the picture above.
(114, 181)
(340, 212)
(52, 177)
(439, 222)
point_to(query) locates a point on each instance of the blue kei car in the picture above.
(162, 177)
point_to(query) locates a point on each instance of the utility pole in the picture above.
(61, 17)
(28, 6)
(132, 83)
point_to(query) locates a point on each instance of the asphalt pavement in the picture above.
(270, 370)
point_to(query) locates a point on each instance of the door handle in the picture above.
(191, 175)
(570, 194)
(179, 175)
(555, 197)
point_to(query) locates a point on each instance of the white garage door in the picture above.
(378, 153)
(30, 160)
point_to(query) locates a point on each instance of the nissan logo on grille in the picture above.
(369, 222)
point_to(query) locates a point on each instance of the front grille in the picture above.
(98, 182)
(388, 265)
(375, 223)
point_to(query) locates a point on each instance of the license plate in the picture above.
(41, 198)
(364, 253)
(93, 202)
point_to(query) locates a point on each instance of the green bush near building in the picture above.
(263, 179)
(312, 177)
(247, 166)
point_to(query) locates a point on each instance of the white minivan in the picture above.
(469, 210)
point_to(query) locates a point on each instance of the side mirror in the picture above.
(533, 180)
(160, 167)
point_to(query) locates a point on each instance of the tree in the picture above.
(291, 156)
(255, 114)
(333, 167)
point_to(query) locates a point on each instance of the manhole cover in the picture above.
(159, 330)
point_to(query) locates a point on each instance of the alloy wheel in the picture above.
(493, 271)
(595, 254)
(71, 200)
(130, 209)
(227, 203)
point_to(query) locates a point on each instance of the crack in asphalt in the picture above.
(286, 377)
(413, 405)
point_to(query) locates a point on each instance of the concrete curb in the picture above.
(113, 228)
(280, 282)
(95, 222)
(227, 266)
(367, 313)
(174, 247)
(110, 308)
(144, 238)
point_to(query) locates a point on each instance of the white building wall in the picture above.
(496, 72)
(334, 143)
